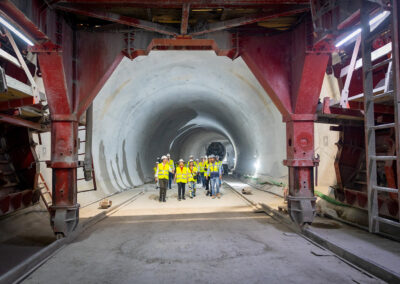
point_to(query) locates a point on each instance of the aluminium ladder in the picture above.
(391, 93)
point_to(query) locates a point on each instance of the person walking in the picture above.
(206, 176)
(191, 158)
(197, 165)
(201, 171)
(192, 175)
(181, 178)
(171, 174)
(214, 174)
(162, 176)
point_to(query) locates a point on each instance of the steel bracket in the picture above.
(64, 219)
(301, 209)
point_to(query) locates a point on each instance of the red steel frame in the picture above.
(290, 68)
(292, 74)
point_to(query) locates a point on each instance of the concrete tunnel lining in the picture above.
(149, 102)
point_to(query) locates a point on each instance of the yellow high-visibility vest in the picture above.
(201, 166)
(206, 169)
(181, 174)
(163, 171)
(192, 173)
(171, 163)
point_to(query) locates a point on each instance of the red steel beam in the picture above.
(246, 20)
(55, 83)
(185, 18)
(22, 122)
(16, 103)
(193, 3)
(183, 44)
(112, 17)
(21, 21)
(92, 72)
(269, 60)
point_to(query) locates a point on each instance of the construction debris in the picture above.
(105, 203)
(246, 190)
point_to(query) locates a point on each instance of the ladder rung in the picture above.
(386, 189)
(383, 158)
(380, 64)
(382, 126)
(383, 95)
(387, 221)
(360, 182)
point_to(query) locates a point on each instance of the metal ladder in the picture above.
(45, 191)
(88, 175)
(391, 92)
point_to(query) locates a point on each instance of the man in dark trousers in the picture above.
(162, 176)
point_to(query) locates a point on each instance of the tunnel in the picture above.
(179, 103)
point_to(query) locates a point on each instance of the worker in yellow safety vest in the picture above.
(172, 166)
(201, 167)
(181, 178)
(162, 176)
(214, 174)
(206, 175)
(197, 165)
(191, 157)
(192, 176)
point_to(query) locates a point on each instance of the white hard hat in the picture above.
(163, 157)
(181, 160)
(191, 161)
(168, 155)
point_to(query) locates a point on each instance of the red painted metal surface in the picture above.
(112, 17)
(16, 103)
(92, 73)
(213, 27)
(19, 19)
(194, 3)
(292, 74)
(182, 43)
(14, 120)
(17, 189)
(185, 18)
(269, 60)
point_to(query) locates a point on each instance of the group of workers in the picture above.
(208, 172)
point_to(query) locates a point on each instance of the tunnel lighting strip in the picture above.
(358, 31)
(15, 31)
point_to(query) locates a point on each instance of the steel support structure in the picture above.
(292, 71)
(75, 64)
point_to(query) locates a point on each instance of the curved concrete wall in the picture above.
(179, 102)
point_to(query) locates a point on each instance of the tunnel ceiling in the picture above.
(179, 102)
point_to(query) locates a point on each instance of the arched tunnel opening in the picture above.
(297, 99)
(182, 103)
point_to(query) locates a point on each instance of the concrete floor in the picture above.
(193, 241)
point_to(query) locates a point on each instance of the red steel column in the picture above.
(64, 162)
(64, 140)
(291, 70)
(301, 162)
